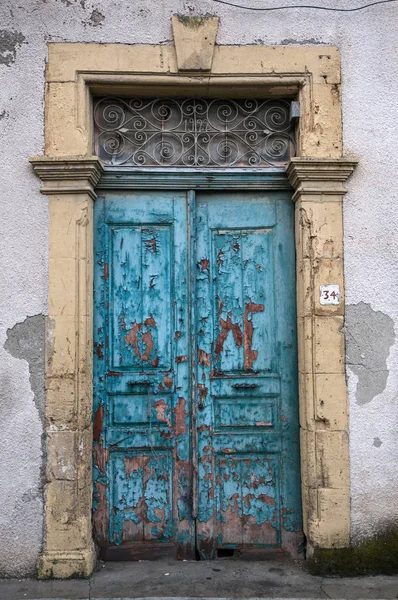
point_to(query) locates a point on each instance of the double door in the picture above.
(196, 440)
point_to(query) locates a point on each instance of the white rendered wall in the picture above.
(368, 42)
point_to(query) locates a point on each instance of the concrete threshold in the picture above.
(224, 579)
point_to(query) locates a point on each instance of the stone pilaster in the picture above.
(318, 195)
(69, 182)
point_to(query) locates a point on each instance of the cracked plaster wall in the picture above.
(368, 45)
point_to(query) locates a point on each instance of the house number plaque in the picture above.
(329, 294)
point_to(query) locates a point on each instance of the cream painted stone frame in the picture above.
(70, 173)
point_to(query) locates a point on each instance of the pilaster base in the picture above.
(66, 564)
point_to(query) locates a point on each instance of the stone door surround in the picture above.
(69, 173)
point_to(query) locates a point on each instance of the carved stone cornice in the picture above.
(315, 176)
(68, 174)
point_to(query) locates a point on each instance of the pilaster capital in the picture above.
(68, 174)
(317, 176)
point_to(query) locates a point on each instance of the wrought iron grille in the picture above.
(193, 132)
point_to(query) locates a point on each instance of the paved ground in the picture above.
(227, 579)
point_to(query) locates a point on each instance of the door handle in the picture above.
(146, 382)
(245, 386)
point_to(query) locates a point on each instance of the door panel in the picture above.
(195, 391)
(248, 470)
(142, 466)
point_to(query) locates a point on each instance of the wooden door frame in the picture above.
(70, 174)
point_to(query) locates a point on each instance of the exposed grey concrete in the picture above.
(9, 42)
(370, 335)
(367, 41)
(26, 340)
(220, 579)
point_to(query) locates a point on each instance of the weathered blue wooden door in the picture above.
(195, 392)
(247, 423)
(142, 466)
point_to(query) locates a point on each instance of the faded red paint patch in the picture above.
(204, 264)
(226, 327)
(177, 335)
(219, 305)
(98, 423)
(100, 516)
(134, 463)
(203, 358)
(148, 341)
(159, 513)
(254, 533)
(181, 359)
(106, 271)
(101, 457)
(155, 362)
(151, 244)
(150, 321)
(98, 349)
(132, 337)
(168, 382)
(250, 355)
(161, 409)
(247, 499)
(202, 391)
(267, 499)
(131, 532)
(180, 415)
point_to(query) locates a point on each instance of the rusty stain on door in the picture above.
(195, 375)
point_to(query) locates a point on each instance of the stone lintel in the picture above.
(68, 174)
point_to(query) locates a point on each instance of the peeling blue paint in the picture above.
(194, 297)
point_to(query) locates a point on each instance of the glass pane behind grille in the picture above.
(193, 132)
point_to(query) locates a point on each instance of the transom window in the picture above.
(193, 132)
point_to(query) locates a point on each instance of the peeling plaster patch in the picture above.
(370, 335)
(9, 42)
(26, 341)
(377, 442)
(96, 18)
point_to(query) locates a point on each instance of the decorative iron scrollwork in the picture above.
(193, 132)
